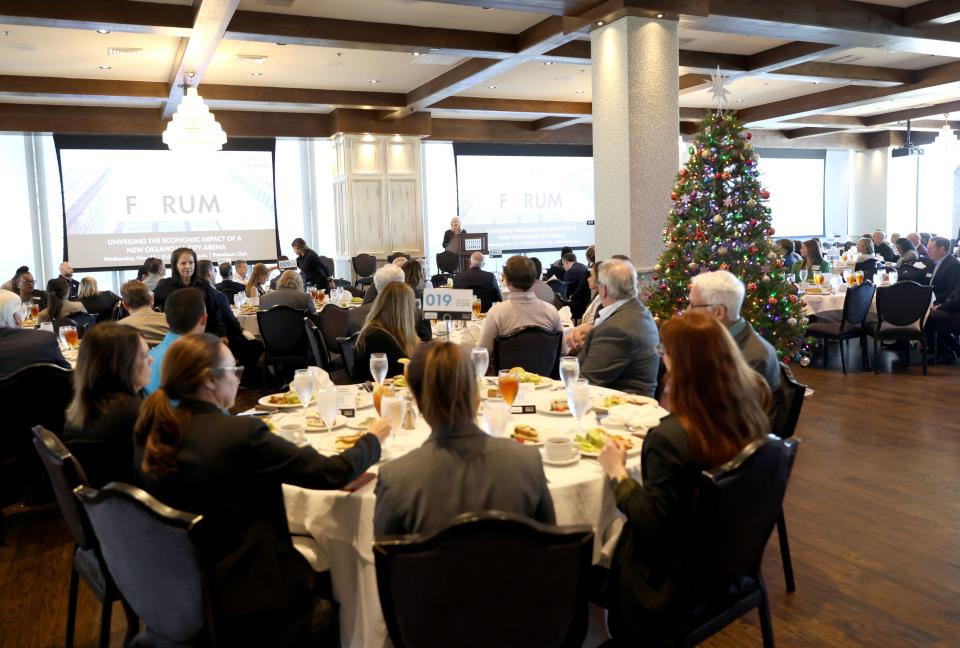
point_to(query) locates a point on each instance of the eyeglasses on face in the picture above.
(236, 370)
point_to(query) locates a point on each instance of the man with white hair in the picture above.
(385, 275)
(66, 273)
(881, 246)
(922, 250)
(620, 351)
(20, 347)
(483, 284)
(721, 294)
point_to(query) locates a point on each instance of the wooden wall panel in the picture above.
(404, 216)
(366, 217)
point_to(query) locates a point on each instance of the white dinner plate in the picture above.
(360, 422)
(635, 450)
(265, 402)
(532, 444)
(632, 399)
(314, 425)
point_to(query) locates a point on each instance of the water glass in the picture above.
(327, 405)
(569, 370)
(578, 400)
(803, 275)
(303, 385)
(378, 367)
(392, 408)
(481, 360)
(496, 414)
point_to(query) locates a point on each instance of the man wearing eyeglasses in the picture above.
(721, 294)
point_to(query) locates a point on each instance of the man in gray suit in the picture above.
(620, 352)
(721, 294)
(289, 292)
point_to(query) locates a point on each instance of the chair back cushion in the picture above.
(787, 403)
(332, 322)
(737, 507)
(328, 265)
(80, 321)
(518, 578)
(857, 302)
(533, 348)
(448, 262)
(150, 553)
(485, 294)
(281, 329)
(903, 304)
(349, 355)
(37, 394)
(317, 348)
(364, 265)
(65, 475)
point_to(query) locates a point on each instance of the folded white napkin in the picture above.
(646, 416)
(566, 317)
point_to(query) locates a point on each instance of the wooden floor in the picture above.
(873, 512)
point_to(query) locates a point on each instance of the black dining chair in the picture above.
(349, 355)
(37, 394)
(533, 348)
(524, 583)
(87, 564)
(364, 265)
(440, 279)
(448, 262)
(902, 315)
(332, 322)
(284, 339)
(152, 554)
(737, 506)
(231, 295)
(80, 321)
(852, 324)
(787, 403)
(321, 356)
(486, 295)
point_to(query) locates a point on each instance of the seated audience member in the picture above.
(155, 271)
(907, 252)
(921, 249)
(97, 302)
(186, 315)
(574, 272)
(389, 328)
(191, 455)
(591, 254)
(186, 274)
(459, 468)
(20, 347)
(414, 277)
(310, 265)
(383, 276)
(719, 406)
(579, 333)
(27, 293)
(883, 248)
(241, 274)
(556, 272)
(228, 283)
(540, 287)
(138, 301)
(66, 275)
(620, 351)
(113, 366)
(475, 277)
(258, 277)
(790, 256)
(945, 275)
(247, 349)
(522, 308)
(276, 271)
(925, 243)
(400, 261)
(866, 261)
(13, 284)
(943, 326)
(813, 260)
(720, 294)
(58, 306)
(289, 292)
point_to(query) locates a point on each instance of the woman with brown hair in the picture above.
(459, 469)
(183, 262)
(718, 406)
(58, 305)
(390, 328)
(413, 276)
(812, 258)
(192, 455)
(113, 366)
(258, 277)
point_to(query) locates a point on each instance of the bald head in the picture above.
(914, 238)
(400, 261)
(66, 270)
(476, 260)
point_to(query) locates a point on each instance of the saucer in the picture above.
(562, 462)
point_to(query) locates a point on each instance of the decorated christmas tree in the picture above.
(720, 221)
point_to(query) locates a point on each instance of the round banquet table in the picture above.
(342, 523)
(248, 321)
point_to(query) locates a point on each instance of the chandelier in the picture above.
(193, 128)
(946, 141)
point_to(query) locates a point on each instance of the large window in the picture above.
(19, 205)
(795, 182)
(921, 192)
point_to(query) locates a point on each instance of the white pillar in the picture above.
(635, 125)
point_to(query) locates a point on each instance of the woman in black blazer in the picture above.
(390, 328)
(185, 275)
(96, 302)
(649, 580)
(195, 457)
(113, 366)
(310, 265)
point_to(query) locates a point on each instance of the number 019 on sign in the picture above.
(443, 303)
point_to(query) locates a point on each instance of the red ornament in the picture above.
(663, 286)
(764, 194)
(718, 176)
(672, 264)
(679, 300)
(753, 249)
(751, 286)
(673, 196)
(792, 299)
(787, 361)
(749, 136)
(727, 175)
(771, 232)
(772, 301)
(683, 173)
(753, 222)
(724, 266)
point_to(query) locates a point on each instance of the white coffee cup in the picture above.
(293, 432)
(558, 448)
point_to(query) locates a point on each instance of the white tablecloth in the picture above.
(342, 523)
(249, 320)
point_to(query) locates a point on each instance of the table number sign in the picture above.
(447, 304)
(523, 403)
(347, 401)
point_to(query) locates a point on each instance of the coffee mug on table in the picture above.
(558, 448)
(292, 432)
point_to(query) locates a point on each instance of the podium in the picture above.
(470, 243)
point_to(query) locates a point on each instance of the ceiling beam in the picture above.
(936, 110)
(489, 104)
(842, 72)
(692, 81)
(828, 120)
(57, 87)
(576, 52)
(932, 12)
(335, 98)
(498, 130)
(892, 138)
(195, 55)
(137, 17)
(786, 55)
(797, 133)
(553, 123)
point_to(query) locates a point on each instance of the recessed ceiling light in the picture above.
(659, 15)
(739, 100)
(191, 74)
(104, 67)
(600, 23)
(546, 62)
(492, 87)
(415, 53)
(579, 91)
(374, 80)
(280, 44)
(816, 83)
(103, 31)
(256, 74)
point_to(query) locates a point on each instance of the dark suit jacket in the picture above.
(21, 347)
(580, 297)
(230, 470)
(379, 341)
(357, 316)
(572, 277)
(287, 297)
(101, 305)
(230, 284)
(459, 471)
(312, 269)
(449, 235)
(886, 251)
(648, 575)
(104, 445)
(620, 353)
(759, 354)
(477, 278)
(74, 286)
(216, 315)
(868, 268)
(946, 279)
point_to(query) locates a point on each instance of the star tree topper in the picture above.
(718, 89)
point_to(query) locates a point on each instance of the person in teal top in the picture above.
(186, 315)
(812, 258)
